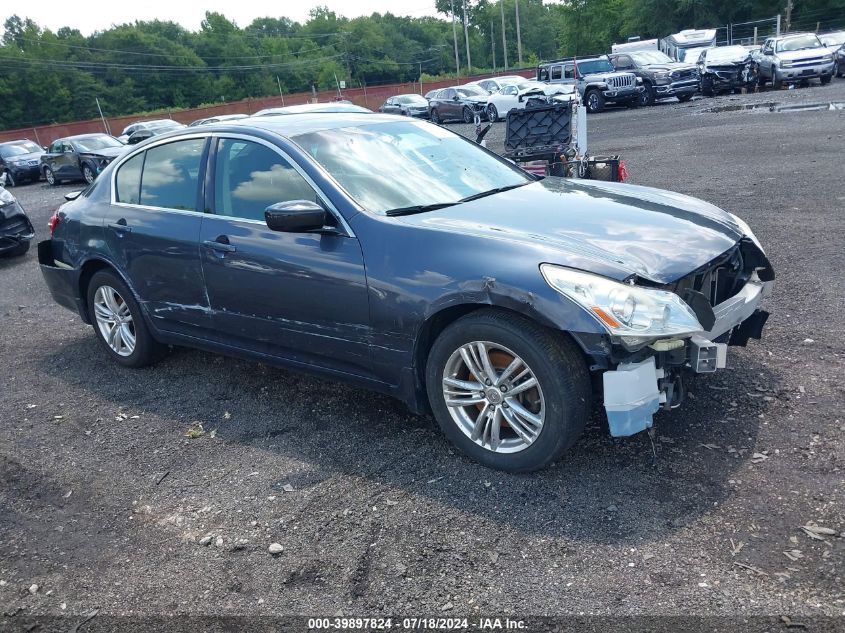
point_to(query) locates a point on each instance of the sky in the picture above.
(97, 15)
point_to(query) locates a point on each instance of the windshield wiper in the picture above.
(484, 194)
(419, 208)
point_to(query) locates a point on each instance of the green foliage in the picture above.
(48, 77)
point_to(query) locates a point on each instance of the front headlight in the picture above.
(6, 198)
(662, 76)
(747, 232)
(635, 314)
(784, 63)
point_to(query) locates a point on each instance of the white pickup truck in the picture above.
(793, 58)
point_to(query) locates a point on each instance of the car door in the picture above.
(446, 103)
(299, 296)
(53, 152)
(152, 229)
(766, 56)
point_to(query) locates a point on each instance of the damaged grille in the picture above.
(718, 280)
(679, 75)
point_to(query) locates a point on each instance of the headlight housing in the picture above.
(635, 314)
(662, 76)
(6, 198)
(784, 63)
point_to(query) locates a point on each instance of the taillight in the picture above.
(53, 222)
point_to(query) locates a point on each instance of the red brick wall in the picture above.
(368, 97)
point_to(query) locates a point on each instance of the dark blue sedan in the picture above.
(399, 256)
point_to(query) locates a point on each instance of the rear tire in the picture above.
(558, 401)
(50, 177)
(115, 313)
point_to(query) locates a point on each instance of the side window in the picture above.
(569, 71)
(249, 177)
(171, 175)
(623, 61)
(510, 90)
(543, 74)
(128, 180)
(56, 147)
(556, 74)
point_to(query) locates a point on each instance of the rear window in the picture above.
(171, 175)
(128, 180)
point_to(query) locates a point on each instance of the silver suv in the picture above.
(792, 58)
(597, 80)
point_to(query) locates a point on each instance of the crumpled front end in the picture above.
(15, 227)
(726, 296)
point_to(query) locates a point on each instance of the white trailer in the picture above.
(676, 45)
(634, 44)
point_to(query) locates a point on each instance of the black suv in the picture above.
(662, 76)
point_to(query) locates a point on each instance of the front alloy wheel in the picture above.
(492, 113)
(10, 179)
(508, 392)
(493, 397)
(88, 174)
(468, 116)
(49, 176)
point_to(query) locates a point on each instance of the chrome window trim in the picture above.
(222, 135)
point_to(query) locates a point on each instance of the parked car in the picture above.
(662, 76)
(460, 103)
(495, 84)
(16, 230)
(598, 81)
(150, 131)
(158, 124)
(217, 119)
(726, 68)
(333, 107)
(407, 105)
(20, 161)
(515, 96)
(836, 42)
(792, 58)
(401, 257)
(80, 157)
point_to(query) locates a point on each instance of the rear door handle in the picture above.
(220, 247)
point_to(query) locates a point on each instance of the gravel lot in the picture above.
(105, 501)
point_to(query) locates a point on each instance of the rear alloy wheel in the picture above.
(507, 392)
(88, 173)
(50, 177)
(118, 322)
(435, 116)
(594, 101)
(492, 113)
(468, 116)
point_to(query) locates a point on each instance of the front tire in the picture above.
(118, 323)
(510, 394)
(647, 96)
(492, 113)
(594, 101)
(435, 117)
(50, 177)
(708, 88)
(826, 79)
(467, 115)
(88, 173)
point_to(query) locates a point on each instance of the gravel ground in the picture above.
(105, 502)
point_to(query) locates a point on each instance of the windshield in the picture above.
(18, 149)
(650, 57)
(691, 55)
(403, 164)
(799, 43)
(94, 143)
(410, 99)
(594, 66)
(727, 52)
(471, 91)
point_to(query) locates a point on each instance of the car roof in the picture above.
(789, 36)
(16, 141)
(79, 137)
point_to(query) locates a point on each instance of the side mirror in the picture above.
(296, 216)
(456, 98)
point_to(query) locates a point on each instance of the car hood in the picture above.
(594, 77)
(477, 99)
(667, 67)
(30, 156)
(805, 54)
(739, 60)
(110, 152)
(609, 228)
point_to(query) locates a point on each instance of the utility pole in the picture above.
(455, 38)
(504, 42)
(466, 39)
(518, 35)
(278, 81)
(789, 7)
(493, 46)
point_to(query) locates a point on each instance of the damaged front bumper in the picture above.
(15, 227)
(634, 391)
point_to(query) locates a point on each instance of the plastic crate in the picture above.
(538, 130)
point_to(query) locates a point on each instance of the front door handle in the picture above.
(120, 226)
(220, 247)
